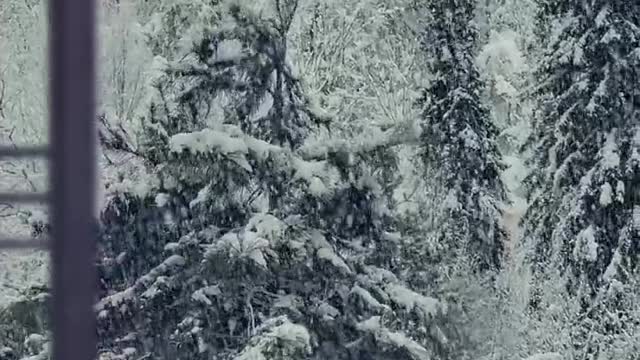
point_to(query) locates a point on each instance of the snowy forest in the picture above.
(343, 179)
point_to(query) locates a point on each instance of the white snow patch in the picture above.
(228, 50)
(207, 140)
(172, 246)
(395, 339)
(117, 299)
(241, 245)
(426, 306)
(502, 55)
(326, 253)
(451, 200)
(504, 88)
(308, 169)
(610, 36)
(199, 296)
(367, 298)
(202, 196)
(470, 138)
(620, 192)
(202, 295)
(610, 157)
(161, 199)
(263, 109)
(578, 54)
(586, 247)
(546, 356)
(606, 194)
(293, 337)
(602, 16)
(174, 260)
(379, 275)
(317, 187)
(612, 268)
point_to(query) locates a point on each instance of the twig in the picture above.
(31, 184)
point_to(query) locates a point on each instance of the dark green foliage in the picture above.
(459, 139)
(585, 139)
(241, 244)
(586, 161)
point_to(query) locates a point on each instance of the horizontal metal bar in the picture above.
(24, 243)
(21, 152)
(23, 197)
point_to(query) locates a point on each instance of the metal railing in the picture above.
(72, 173)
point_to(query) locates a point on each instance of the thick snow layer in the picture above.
(266, 225)
(207, 140)
(367, 298)
(242, 245)
(394, 339)
(284, 334)
(146, 283)
(412, 301)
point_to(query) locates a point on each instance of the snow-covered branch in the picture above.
(404, 134)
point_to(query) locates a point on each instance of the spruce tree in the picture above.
(458, 140)
(585, 137)
(586, 144)
(246, 242)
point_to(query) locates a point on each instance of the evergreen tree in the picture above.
(466, 239)
(247, 242)
(458, 140)
(585, 179)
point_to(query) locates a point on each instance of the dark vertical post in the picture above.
(72, 107)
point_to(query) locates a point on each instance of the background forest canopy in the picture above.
(362, 179)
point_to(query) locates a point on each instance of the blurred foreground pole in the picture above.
(72, 173)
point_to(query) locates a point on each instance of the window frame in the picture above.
(72, 174)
